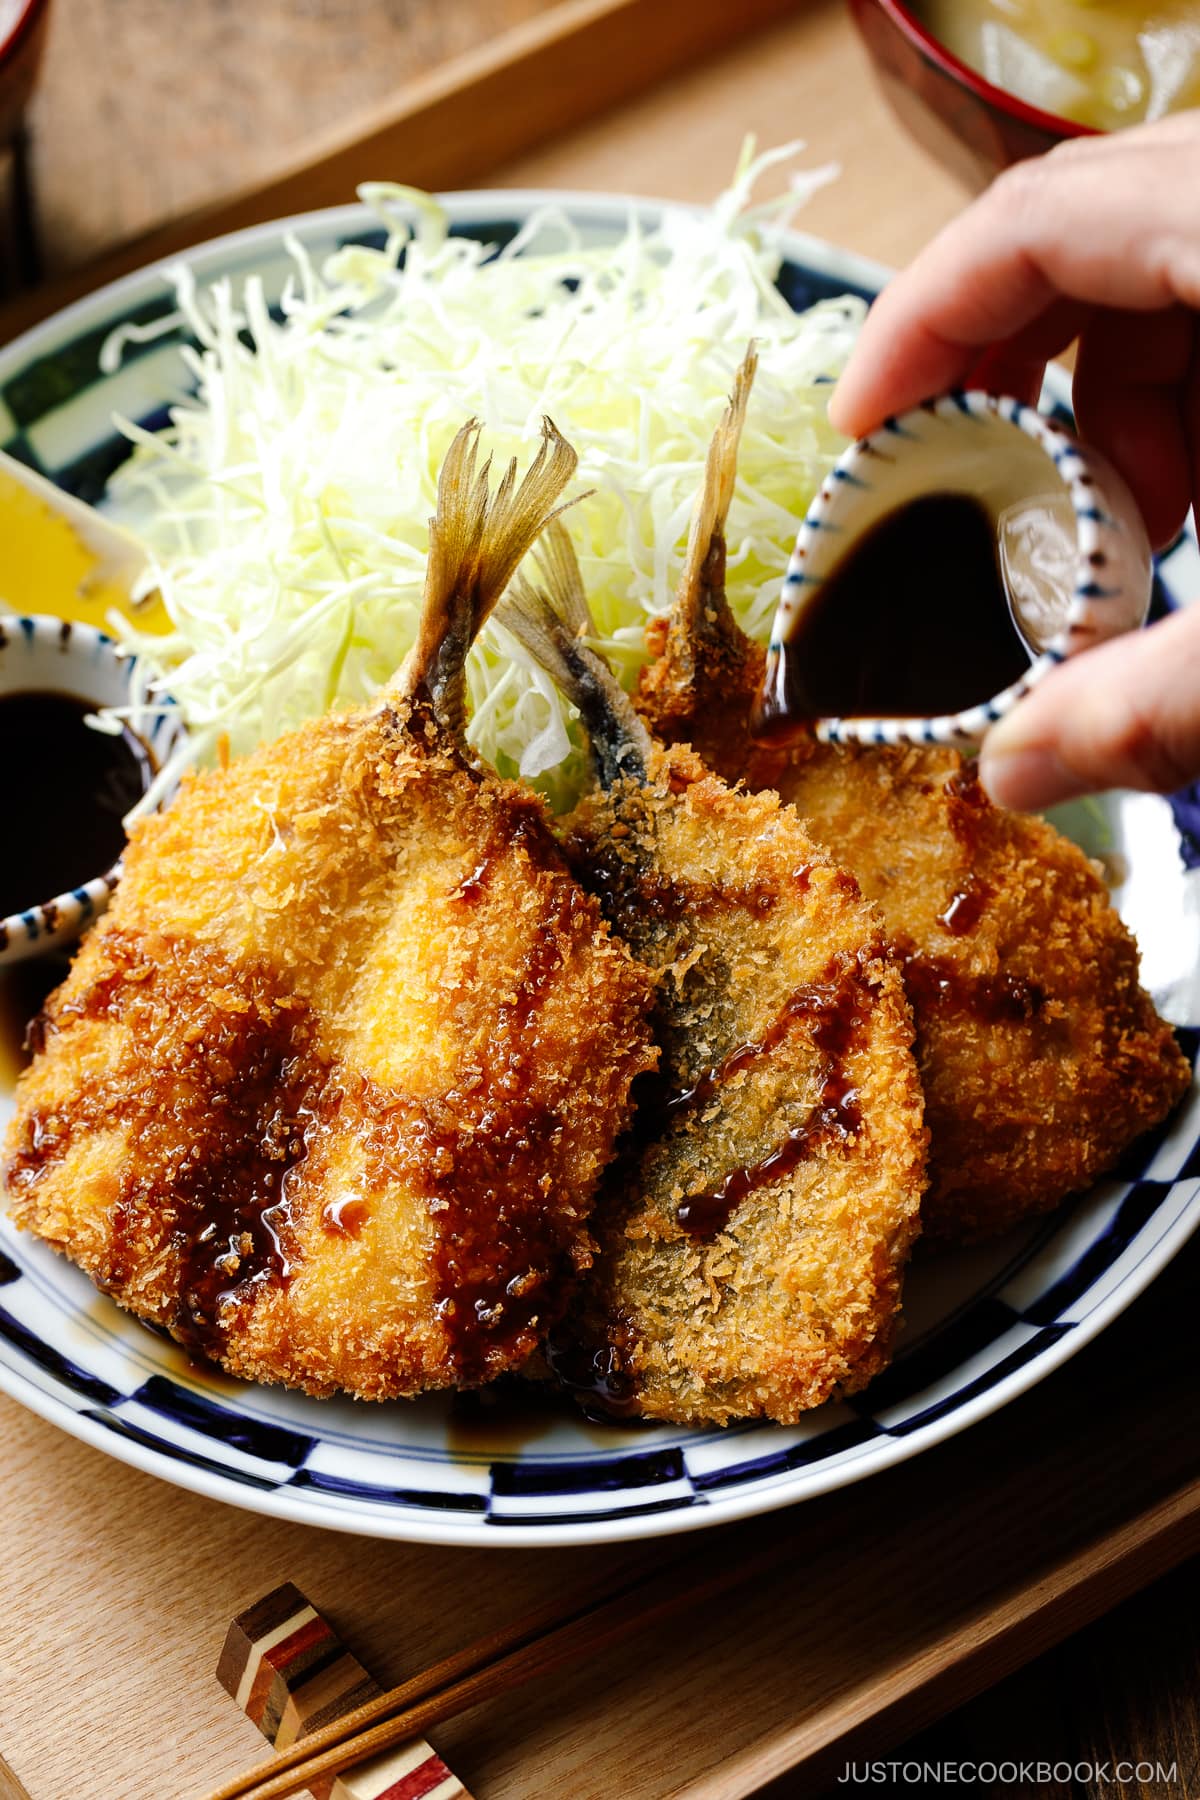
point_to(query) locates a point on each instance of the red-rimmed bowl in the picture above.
(975, 129)
(22, 39)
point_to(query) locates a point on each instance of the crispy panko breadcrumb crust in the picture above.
(348, 991)
(780, 1008)
(1041, 1056)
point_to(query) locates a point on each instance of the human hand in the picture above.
(1099, 240)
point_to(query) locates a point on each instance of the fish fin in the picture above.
(476, 540)
(527, 614)
(557, 564)
(549, 622)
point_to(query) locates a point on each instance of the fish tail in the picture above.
(700, 604)
(550, 620)
(699, 688)
(476, 539)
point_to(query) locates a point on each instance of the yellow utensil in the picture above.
(61, 557)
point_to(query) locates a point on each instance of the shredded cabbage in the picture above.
(286, 507)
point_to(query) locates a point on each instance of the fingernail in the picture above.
(1027, 779)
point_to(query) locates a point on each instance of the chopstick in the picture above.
(493, 1665)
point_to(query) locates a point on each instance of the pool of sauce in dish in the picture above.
(915, 621)
(72, 787)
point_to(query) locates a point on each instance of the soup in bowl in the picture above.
(1103, 63)
(985, 83)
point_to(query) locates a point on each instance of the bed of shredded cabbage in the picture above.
(286, 507)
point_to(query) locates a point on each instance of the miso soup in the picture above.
(1101, 62)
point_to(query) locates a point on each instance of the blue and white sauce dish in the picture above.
(68, 782)
(1072, 567)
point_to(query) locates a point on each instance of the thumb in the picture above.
(1126, 714)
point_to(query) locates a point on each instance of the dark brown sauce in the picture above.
(345, 1217)
(834, 1008)
(597, 1376)
(636, 897)
(471, 887)
(492, 1219)
(63, 811)
(502, 1418)
(219, 1124)
(965, 908)
(830, 1004)
(915, 621)
(937, 983)
(704, 1215)
(487, 1193)
(967, 807)
(966, 786)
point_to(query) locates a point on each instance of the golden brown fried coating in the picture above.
(753, 1239)
(1041, 1056)
(328, 1091)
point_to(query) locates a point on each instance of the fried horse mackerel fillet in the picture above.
(1041, 1057)
(753, 1234)
(328, 1091)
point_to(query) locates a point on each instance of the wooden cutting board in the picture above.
(902, 1596)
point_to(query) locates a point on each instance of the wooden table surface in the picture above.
(148, 108)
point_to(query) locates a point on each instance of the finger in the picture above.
(1018, 365)
(1131, 396)
(1096, 224)
(1126, 714)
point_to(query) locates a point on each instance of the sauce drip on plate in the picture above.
(914, 622)
(24, 989)
(71, 786)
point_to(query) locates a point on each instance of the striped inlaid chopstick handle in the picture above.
(290, 1673)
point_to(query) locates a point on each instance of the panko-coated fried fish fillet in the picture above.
(328, 1091)
(1041, 1057)
(752, 1237)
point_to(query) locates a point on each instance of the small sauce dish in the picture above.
(948, 563)
(68, 784)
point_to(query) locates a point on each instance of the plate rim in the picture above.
(401, 1523)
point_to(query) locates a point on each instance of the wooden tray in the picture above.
(905, 1594)
(658, 96)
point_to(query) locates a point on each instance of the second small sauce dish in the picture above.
(68, 785)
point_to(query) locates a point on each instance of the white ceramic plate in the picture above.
(982, 1326)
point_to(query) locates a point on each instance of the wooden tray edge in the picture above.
(1001, 1636)
(453, 127)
